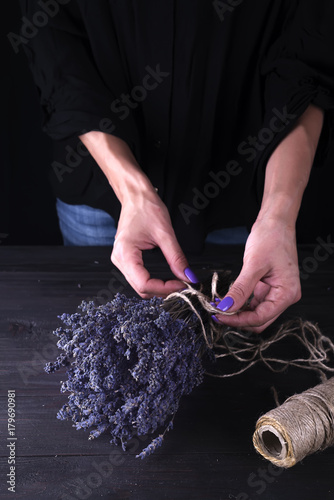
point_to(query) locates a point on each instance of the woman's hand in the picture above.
(270, 271)
(270, 268)
(144, 224)
(144, 221)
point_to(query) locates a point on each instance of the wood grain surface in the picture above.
(208, 456)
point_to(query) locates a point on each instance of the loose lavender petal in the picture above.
(151, 447)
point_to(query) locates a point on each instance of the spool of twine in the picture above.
(302, 425)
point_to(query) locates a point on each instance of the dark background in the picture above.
(27, 204)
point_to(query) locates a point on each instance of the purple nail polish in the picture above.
(214, 318)
(225, 304)
(191, 275)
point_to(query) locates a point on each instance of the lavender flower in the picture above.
(128, 365)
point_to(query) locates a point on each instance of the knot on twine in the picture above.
(242, 345)
(303, 425)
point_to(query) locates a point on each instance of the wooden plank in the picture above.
(210, 476)
(219, 415)
(209, 454)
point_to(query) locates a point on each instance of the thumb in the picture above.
(240, 291)
(176, 259)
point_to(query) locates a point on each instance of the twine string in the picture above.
(248, 349)
(303, 424)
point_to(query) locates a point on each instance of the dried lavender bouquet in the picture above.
(129, 363)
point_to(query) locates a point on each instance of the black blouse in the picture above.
(202, 91)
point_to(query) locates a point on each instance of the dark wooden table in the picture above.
(209, 454)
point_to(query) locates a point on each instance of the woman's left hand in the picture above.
(270, 271)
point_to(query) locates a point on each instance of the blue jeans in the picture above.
(82, 225)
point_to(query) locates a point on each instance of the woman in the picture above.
(196, 116)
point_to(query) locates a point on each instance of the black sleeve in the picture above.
(73, 95)
(299, 70)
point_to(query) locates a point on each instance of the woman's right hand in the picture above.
(144, 221)
(144, 224)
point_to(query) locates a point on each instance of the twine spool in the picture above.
(302, 425)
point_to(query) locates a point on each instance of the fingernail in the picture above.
(214, 318)
(225, 304)
(191, 275)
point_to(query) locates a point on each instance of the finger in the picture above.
(275, 302)
(241, 289)
(260, 293)
(130, 262)
(247, 320)
(176, 259)
(257, 329)
(260, 329)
